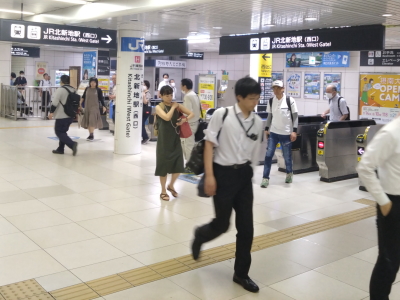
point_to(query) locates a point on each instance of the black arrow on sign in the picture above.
(264, 56)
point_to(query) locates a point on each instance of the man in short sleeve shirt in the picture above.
(336, 114)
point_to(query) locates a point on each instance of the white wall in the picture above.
(5, 63)
(55, 60)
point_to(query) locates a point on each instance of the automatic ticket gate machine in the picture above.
(337, 149)
(362, 142)
(304, 152)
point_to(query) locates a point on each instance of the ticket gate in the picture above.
(304, 149)
(337, 149)
(362, 142)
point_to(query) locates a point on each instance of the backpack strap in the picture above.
(338, 103)
(223, 119)
(289, 106)
(201, 109)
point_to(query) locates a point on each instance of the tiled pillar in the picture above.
(5, 64)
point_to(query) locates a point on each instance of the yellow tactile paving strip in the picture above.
(31, 290)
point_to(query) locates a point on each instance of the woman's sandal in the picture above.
(173, 192)
(164, 197)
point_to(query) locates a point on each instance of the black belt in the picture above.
(237, 166)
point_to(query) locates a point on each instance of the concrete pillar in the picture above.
(5, 65)
(129, 104)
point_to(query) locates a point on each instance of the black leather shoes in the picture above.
(74, 148)
(196, 246)
(246, 283)
(57, 152)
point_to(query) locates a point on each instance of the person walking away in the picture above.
(169, 151)
(164, 82)
(63, 121)
(379, 170)
(281, 128)
(146, 110)
(45, 91)
(113, 96)
(192, 102)
(93, 97)
(233, 138)
(337, 105)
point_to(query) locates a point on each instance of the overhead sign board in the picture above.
(166, 48)
(170, 64)
(55, 34)
(25, 51)
(355, 38)
(194, 55)
(318, 59)
(386, 58)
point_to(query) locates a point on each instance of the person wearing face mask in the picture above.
(172, 85)
(192, 102)
(21, 80)
(146, 110)
(164, 82)
(338, 109)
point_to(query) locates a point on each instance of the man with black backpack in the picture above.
(281, 128)
(338, 109)
(64, 108)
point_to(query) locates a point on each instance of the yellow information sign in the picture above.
(207, 91)
(265, 65)
(359, 158)
(320, 152)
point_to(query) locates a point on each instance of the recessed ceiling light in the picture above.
(268, 25)
(73, 1)
(16, 11)
(310, 19)
(154, 33)
(387, 15)
(134, 20)
(217, 27)
(193, 32)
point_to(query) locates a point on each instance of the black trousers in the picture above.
(46, 98)
(234, 191)
(145, 136)
(388, 262)
(61, 128)
(113, 116)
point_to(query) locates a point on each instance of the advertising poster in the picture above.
(266, 92)
(207, 84)
(89, 65)
(334, 79)
(277, 76)
(379, 97)
(293, 84)
(41, 68)
(318, 59)
(104, 83)
(312, 85)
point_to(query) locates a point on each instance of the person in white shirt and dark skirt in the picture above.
(379, 170)
(232, 145)
(45, 91)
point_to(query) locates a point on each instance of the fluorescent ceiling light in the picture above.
(311, 19)
(55, 17)
(16, 11)
(197, 39)
(217, 27)
(387, 15)
(268, 25)
(73, 1)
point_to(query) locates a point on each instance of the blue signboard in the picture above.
(89, 65)
(318, 59)
(129, 44)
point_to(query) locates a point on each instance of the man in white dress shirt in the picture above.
(164, 82)
(379, 170)
(232, 145)
(45, 91)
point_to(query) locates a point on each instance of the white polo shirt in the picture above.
(281, 119)
(45, 84)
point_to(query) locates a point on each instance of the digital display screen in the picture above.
(165, 48)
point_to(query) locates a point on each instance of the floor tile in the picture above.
(192, 209)
(6, 227)
(27, 266)
(210, 282)
(16, 243)
(106, 268)
(341, 241)
(264, 293)
(14, 196)
(128, 241)
(370, 255)
(262, 214)
(315, 286)
(7, 186)
(58, 281)
(59, 235)
(107, 195)
(110, 225)
(287, 222)
(162, 254)
(143, 189)
(22, 208)
(178, 231)
(34, 183)
(350, 270)
(50, 191)
(290, 206)
(87, 186)
(84, 253)
(365, 228)
(155, 216)
(330, 211)
(161, 289)
(38, 220)
(66, 201)
(86, 212)
(128, 205)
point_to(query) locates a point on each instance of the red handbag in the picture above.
(185, 130)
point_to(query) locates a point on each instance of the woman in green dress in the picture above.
(169, 149)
